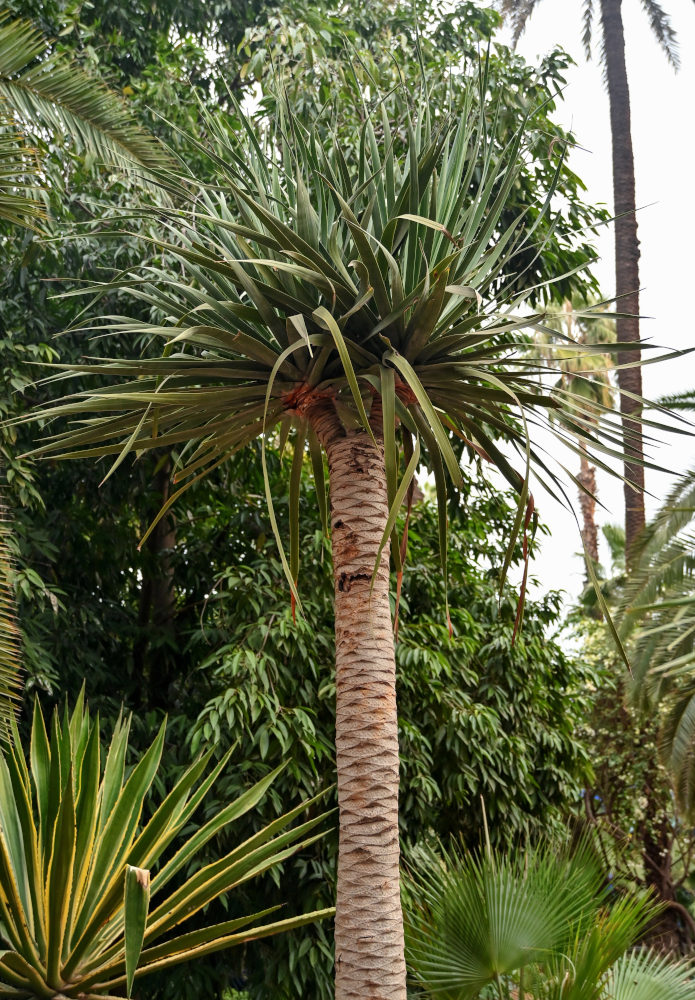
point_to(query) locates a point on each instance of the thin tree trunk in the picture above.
(369, 951)
(668, 932)
(626, 263)
(587, 479)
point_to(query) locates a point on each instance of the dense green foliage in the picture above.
(198, 624)
(630, 801)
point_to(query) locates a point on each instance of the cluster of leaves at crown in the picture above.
(306, 269)
(75, 863)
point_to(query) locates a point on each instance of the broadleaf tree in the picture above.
(357, 304)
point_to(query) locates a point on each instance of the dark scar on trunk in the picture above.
(346, 580)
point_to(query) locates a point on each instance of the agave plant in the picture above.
(82, 915)
(535, 925)
(352, 300)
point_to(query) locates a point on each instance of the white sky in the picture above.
(662, 128)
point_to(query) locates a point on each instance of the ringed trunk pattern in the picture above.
(626, 264)
(369, 951)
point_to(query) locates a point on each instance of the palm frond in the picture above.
(44, 88)
(645, 975)
(660, 23)
(18, 176)
(541, 919)
(657, 614)
(679, 401)
(587, 26)
(517, 12)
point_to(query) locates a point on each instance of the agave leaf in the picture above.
(137, 900)
(175, 811)
(13, 843)
(58, 884)
(231, 940)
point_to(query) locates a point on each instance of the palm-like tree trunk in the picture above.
(369, 957)
(626, 262)
(587, 479)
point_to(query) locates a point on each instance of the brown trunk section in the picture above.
(626, 263)
(673, 931)
(369, 950)
(587, 479)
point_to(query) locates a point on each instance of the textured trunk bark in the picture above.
(626, 263)
(671, 931)
(369, 952)
(587, 478)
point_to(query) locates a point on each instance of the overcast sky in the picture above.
(662, 104)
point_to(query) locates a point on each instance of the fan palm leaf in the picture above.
(355, 303)
(644, 975)
(539, 920)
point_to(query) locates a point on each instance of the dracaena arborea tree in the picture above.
(351, 297)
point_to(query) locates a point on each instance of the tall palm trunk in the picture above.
(369, 955)
(587, 502)
(626, 262)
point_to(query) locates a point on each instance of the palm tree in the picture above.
(587, 375)
(626, 242)
(356, 303)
